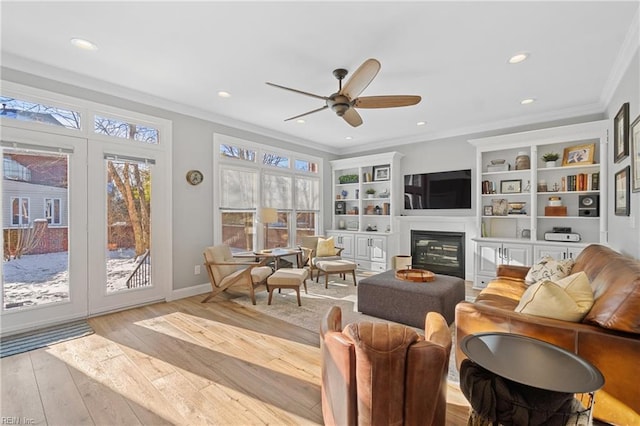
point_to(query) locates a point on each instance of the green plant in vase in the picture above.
(550, 158)
(370, 192)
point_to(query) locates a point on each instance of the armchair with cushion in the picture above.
(316, 248)
(380, 373)
(224, 271)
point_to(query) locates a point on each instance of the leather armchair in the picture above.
(383, 374)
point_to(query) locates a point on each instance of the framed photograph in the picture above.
(634, 135)
(500, 207)
(579, 154)
(381, 173)
(511, 186)
(621, 192)
(621, 133)
(488, 210)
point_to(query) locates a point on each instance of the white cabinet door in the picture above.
(345, 241)
(487, 258)
(362, 247)
(573, 252)
(378, 249)
(516, 254)
(558, 253)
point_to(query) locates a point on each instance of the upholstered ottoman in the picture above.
(336, 267)
(287, 278)
(407, 302)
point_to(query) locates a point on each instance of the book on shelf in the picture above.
(582, 182)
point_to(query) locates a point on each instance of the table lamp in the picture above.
(268, 215)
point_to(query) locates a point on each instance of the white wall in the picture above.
(624, 232)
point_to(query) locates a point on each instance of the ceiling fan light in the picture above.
(340, 109)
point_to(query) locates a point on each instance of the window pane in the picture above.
(306, 166)
(278, 235)
(52, 210)
(275, 160)
(123, 130)
(28, 111)
(35, 271)
(128, 263)
(307, 193)
(238, 188)
(276, 191)
(237, 230)
(305, 225)
(230, 151)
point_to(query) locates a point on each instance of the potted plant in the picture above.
(550, 158)
(370, 192)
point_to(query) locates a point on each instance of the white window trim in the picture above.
(20, 201)
(46, 212)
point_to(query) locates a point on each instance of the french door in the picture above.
(44, 218)
(86, 228)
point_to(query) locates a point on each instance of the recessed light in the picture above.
(348, 138)
(300, 121)
(81, 43)
(421, 123)
(517, 58)
(224, 94)
(527, 101)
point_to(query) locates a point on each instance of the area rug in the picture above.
(316, 303)
(24, 342)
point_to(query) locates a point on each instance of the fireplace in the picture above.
(438, 252)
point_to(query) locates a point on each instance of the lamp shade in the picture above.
(268, 215)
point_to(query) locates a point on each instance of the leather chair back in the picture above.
(384, 374)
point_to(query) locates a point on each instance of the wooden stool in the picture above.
(336, 267)
(287, 278)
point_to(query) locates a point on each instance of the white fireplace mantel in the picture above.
(467, 224)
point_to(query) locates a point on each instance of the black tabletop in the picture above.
(532, 362)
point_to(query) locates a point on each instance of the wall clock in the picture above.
(194, 177)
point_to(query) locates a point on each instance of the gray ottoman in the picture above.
(407, 302)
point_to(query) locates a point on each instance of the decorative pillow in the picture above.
(325, 247)
(568, 299)
(549, 268)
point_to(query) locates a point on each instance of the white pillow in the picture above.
(568, 299)
(549, 268)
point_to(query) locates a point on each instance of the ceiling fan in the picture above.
(345, 101)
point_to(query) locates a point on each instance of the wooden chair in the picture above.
(309, 247)
(224, 271)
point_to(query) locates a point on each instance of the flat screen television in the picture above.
(439, 190)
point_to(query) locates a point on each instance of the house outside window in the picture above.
(19, 211)
(52, 210)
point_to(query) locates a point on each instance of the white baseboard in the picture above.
(181, 293)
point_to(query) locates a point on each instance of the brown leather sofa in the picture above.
(384, 374)
(608, 337)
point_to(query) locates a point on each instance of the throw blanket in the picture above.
(498, 400)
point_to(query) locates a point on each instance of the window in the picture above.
(52, 211)
(38, 113)
(19, 211)
(230, 151)
(124, 130)
(276, 181)
(14, 170)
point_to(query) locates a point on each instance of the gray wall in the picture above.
(624, 232)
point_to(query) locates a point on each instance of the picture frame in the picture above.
(381, 173)
(500, 207)
(634, 135)
(622, 201)
(621, 133)
(579, 155)
(488, 210)
(513, 186)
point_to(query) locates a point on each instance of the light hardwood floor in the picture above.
(182, 363)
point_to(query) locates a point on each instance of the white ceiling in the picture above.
(178, 55)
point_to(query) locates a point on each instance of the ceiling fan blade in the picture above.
(352, 117)
(361, 78)
(324, 98)
(306, 113)
(391, 101)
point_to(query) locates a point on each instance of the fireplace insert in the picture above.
(438, 252)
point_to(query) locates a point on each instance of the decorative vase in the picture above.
(551, 163)
(522, 161)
